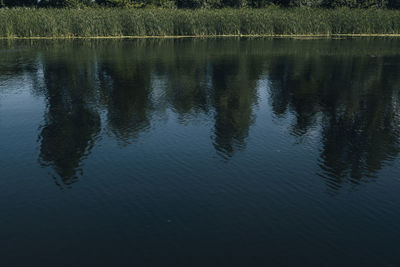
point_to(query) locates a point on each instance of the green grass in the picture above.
(96, 22)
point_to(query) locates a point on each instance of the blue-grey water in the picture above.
(200, 152)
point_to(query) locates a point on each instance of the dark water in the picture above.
(226, 152)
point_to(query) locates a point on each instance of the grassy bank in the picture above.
(166, 22)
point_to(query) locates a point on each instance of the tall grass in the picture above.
(22, 22)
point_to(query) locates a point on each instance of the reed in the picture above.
(113, 22)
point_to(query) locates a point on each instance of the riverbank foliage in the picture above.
(204, 3)
(109, 22)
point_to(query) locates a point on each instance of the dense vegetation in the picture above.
(204, 3)
(31, 22)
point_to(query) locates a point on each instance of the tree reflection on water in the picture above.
(353, 96)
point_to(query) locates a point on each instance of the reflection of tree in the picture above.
(351, 97)
(186, 88)
(357, 101)
(234, 94)
(16, 65)
(364, 134)
(70, 122)
(126, 84)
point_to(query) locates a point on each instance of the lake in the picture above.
(200, 152)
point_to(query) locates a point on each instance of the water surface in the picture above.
(200, 152)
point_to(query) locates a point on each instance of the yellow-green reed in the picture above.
(114, 22)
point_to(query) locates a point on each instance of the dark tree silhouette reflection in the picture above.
(126, 88)
(234, 94)
(355, 101)
(187, 90)
(71, 124)
(352, 99)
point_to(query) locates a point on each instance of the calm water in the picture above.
(198, 152)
